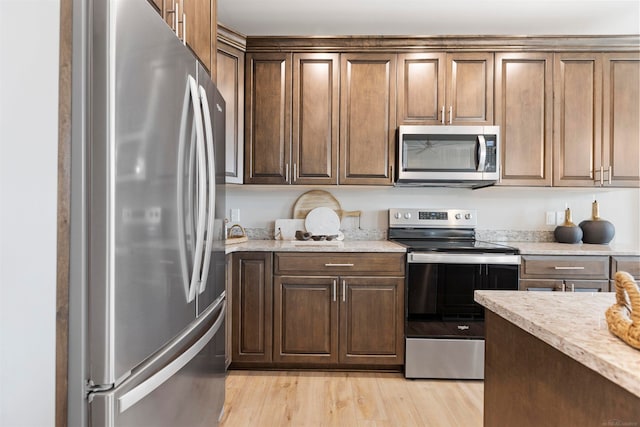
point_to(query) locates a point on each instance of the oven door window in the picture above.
(435, 153)
(455, 290)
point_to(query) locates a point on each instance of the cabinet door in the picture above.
(372, 320)
(230, 75)
(469, 97)
(267, 118)
(316, 84)
(421, 78)
(577, 119)
(252, 307)
(367, 118)
(228, 322)
(621, 126)
(524, 103)
(306, 320)
(197, 28)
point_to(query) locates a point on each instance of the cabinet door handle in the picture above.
(450, 114)
(609, 173)
(442, 117)
(568, 268)
(573, 289)
(295, 172)
(564, 287)
(601, 176)
(344, 290)
(338, 265)
(335, 289)
(286, 172)
(184, 29)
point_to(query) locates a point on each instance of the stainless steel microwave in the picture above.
(448, 156)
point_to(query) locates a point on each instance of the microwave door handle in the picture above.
(482, 156)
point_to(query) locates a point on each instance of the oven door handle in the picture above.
(454, 258)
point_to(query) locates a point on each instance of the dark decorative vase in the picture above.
(597, 230)
(568, 232)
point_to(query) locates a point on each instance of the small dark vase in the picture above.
(596, 230)
(567, 232)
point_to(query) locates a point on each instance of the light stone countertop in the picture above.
(313, 246)
(554, 248)
(573, 323)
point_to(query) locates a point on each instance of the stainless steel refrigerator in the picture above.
(147, 300)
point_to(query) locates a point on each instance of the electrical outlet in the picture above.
(551, 218)
(235, 215)
(560, 217)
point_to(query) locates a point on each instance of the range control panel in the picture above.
(429, 217)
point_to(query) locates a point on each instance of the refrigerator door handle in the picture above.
(202, 185)
(182, 238)
(145, 388)
(208, 127)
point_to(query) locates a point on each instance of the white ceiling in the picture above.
(430, 17)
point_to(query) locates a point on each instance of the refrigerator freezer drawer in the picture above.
(188, 390)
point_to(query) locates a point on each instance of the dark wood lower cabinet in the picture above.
(305, 320)
(345, 320)
(372, 320)
(252, 293)
(322, 311)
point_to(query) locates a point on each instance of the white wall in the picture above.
(499, 208)
(29, 36)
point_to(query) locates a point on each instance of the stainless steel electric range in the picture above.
(444, 326)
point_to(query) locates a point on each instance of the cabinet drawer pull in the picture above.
(568, 268)
(338, 265)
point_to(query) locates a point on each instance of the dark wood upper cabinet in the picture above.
(621, 123)
(445, 88)
(367, 118)
(267, 118)
(193, 21)
(230, 76)
(596, 126)
(524, 105)
(577, 118)
(316, 85)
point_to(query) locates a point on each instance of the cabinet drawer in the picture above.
(630, 264)
(564, 267)
(340, 263)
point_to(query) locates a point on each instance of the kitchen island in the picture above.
(550, 360)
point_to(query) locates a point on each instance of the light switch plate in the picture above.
(551, 218)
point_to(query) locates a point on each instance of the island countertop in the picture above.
(573, 323)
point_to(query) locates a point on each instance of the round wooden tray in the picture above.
(317, 199)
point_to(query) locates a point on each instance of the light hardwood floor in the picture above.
(350, 399)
